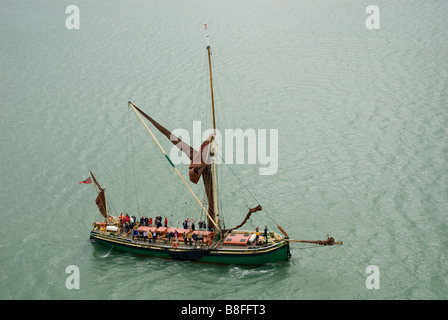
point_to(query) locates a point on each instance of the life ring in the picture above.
(174, 244)
(110, 218)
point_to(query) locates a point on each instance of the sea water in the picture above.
(361, 115)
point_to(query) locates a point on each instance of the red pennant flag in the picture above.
(87, 181)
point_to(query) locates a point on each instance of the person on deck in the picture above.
(195, 238)
(154, 237)
(257, 235)
(266, 234)
(189, 238)
(166, 222)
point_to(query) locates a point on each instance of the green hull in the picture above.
(246, 256)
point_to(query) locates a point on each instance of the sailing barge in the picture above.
(214, 243)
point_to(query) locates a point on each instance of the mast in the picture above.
(211, 85)
(214, 175)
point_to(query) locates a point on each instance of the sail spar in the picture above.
(200, 161)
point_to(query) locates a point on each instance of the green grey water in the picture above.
(362, 141)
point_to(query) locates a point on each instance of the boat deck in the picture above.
(163, 241)
(237, 247)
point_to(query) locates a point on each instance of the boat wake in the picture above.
(107, 254)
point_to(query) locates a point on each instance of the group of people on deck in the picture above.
(172, 234)
(126, 221)
(129, 222)
(189, 224)
(189, 237)
(147, 235)
(265, 234)
(145, 221)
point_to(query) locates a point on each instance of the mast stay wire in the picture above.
(126, 163)
(217, 90)
(133, 166)
(217, 95)
(247, 189)
(129, 138)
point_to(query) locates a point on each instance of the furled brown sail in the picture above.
(251, 210)
(200, 161)
(101, 198)
(101, 203)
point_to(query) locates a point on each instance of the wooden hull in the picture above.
(251, 255)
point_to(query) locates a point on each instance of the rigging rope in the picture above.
(217, 90)
(126, 164)
(129, 138)
(247, 189)
(133, 166)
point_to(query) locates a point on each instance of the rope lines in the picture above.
(129, 142)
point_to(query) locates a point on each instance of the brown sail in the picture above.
(198, 165)
(251, 210)
(101, 198)
(101, 203)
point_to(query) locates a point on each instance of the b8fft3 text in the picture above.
(245, 309)
(234, 309)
